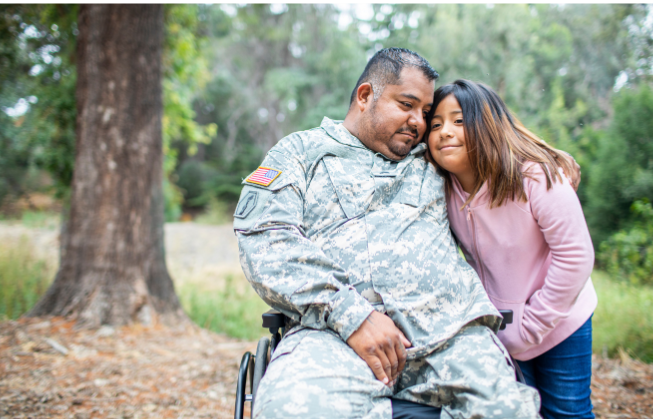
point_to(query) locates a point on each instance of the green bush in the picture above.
(628, 254)
(623, 318)
(192, 179)
(23, 279)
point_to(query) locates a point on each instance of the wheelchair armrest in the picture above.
(274, 319)
(507, 318)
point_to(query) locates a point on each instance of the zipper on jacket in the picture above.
(481, 275)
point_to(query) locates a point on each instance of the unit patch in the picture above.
(247, 204)
(263, 176)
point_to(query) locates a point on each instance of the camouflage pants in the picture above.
(314, 374)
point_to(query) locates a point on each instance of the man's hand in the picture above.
(574, 176)
(382, 345)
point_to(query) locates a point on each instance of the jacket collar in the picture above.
(482, 196)
(338, 132)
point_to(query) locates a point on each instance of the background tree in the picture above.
(113, 267)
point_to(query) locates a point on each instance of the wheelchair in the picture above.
(254, 366)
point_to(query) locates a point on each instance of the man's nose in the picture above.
(417, 121)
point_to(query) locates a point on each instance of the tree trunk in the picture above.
(113, 267)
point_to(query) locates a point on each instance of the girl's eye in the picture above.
(459, 121)
(435, 126)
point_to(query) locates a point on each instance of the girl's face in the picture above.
(447, 138)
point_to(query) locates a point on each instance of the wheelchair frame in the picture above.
(254, 366)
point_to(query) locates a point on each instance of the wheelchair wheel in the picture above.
(260, 365)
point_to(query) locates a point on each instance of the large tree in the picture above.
(113, 267)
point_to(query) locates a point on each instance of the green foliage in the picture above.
(23, 279)
(37, 43)
(622, 171)
(173, 199)
(185, 74)
(39, 76)
(192, 178)
(298, 68)
(623, 318)
(628, 254)
(231, 311)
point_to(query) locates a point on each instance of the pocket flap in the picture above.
(343, 186)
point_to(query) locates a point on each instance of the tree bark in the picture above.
(113, 267)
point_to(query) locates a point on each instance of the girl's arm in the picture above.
(559, 214)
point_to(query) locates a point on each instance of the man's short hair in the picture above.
(385, 68)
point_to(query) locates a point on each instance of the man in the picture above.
(344, 229)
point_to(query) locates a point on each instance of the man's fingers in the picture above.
(401, 357)
(393, 359)
(385, 362)
(377, 366)
(405, 341)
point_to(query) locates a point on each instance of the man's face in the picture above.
(394, 123)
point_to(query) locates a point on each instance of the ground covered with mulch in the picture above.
(48, 369)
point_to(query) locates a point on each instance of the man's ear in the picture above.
(364, 96)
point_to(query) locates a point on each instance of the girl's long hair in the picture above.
(498, 144)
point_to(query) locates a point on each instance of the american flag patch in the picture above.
(263, 176)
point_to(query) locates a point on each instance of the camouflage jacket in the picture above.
(329, 230)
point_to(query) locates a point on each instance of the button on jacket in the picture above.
(342, 230)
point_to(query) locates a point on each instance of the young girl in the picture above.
(521, 226)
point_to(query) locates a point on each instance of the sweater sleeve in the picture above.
(560, 217)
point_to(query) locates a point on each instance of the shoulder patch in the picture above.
(246, 204)
(263, 176)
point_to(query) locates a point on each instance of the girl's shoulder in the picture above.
(535, 178)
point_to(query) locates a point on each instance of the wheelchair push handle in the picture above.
(507, 318)
(273, 318)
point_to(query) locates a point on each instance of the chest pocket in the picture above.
(351, 186)
(401, 184)
(412, 184)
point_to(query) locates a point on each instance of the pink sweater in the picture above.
(532, 257)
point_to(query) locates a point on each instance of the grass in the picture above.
(23, 279)
(35, 219)
(235, 311)
(623, 318)
(41, 219)
(217, 213)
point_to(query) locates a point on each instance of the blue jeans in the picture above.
(563, 375)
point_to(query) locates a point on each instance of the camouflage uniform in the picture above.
(341, 231)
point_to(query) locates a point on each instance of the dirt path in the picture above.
(49, 370)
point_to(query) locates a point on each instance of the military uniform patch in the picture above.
(246, 204)
(263, 176)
